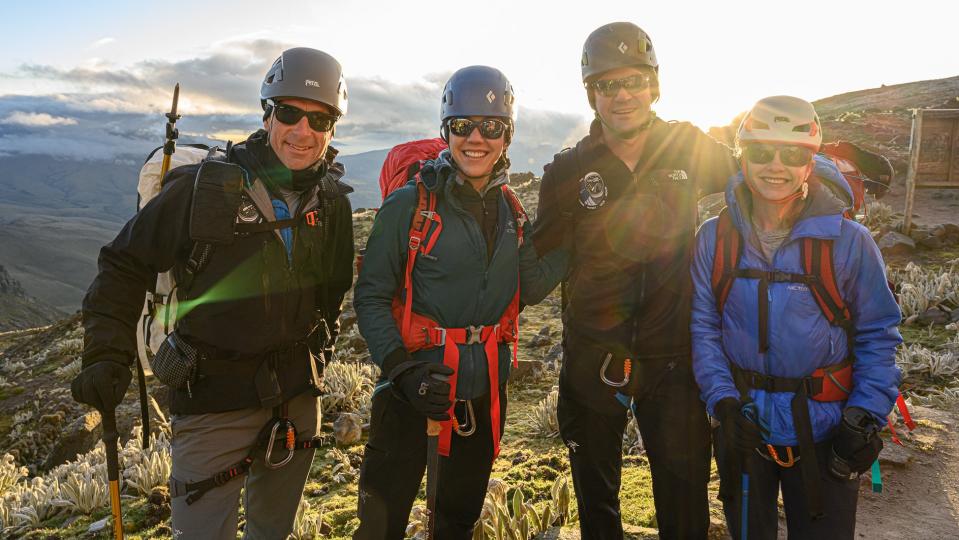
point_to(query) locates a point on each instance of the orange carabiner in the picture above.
(789, 455)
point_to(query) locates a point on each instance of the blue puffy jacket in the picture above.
(800, 338)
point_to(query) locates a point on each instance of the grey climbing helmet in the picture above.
(306, 73)
(616, 45)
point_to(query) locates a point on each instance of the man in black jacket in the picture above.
(261, 244)
(626, 198)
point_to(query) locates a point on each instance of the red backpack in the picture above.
(864, 171)
(419, 331)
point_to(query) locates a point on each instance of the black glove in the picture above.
(423, 385)
(855, 444)
(102, 385)
(739, 432)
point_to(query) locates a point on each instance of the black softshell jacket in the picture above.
(249, 300)
(631, 234)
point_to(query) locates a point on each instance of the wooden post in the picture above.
(914, 141)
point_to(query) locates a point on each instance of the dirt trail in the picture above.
(920, 498)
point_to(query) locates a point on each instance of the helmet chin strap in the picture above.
(629, 133)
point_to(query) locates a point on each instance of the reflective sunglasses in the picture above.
(290, 115)
(489, 128)
(789, 155)
(633, 84)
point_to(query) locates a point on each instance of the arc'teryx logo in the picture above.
(309, 82)
(573, 445)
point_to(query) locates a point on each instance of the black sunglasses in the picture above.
(633, 84)
(489, 128)
(290, 115)
(789, 155)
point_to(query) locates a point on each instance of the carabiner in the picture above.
(290, 437)
(468, 427)
(789, 456)
(627, 371)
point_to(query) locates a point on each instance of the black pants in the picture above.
(674, 426)
(766, 478)
(395, 460)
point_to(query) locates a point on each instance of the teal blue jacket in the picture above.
(455, 285)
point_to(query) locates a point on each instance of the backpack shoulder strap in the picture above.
(729, 249)
(519, 213)
(817, 261)
(423, 215)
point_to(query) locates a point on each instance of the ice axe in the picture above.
(433, 428)
(169, 146)
(110, 438)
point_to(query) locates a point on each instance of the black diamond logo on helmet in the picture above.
(622, 47)
(490, 96)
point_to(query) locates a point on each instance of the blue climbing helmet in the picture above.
(478, 91)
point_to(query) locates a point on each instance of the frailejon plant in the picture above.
(78, 487)
(507, 515)
(146, 469)
(920, 288)
(307, 525)
(349, 388)
(544, 418)
(916, 360)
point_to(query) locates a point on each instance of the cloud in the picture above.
(37, 119)
(102, 41)
(119, 110)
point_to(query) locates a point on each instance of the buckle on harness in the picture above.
(474, 334)
(627, 369)
(429, 335)
(290, 445)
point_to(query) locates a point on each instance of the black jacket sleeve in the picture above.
(553, 219)
(711, 162)
(337, 277)
(128, 266)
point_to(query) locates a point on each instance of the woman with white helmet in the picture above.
(794, 333)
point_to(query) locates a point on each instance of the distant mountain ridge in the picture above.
(18, 310)
(55, 213)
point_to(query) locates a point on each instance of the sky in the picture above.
(76, 64)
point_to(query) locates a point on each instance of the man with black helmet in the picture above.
(445, 345)
(261, 244)
(626, 198)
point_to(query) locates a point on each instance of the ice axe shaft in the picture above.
(433, 428)
(169, 146)
(432, 473)
(110, 438)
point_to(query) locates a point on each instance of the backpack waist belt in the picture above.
(426, 333)
(829, 383)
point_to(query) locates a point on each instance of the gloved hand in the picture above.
(102, 385)
(739, 432)
(424, 386)
(855, 444)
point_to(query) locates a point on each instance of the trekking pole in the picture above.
(110, 438)
(433, 428)
(169, 146)
(749, 411)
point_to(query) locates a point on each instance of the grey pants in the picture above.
(205, 444)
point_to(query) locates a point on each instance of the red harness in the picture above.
(421, 332)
